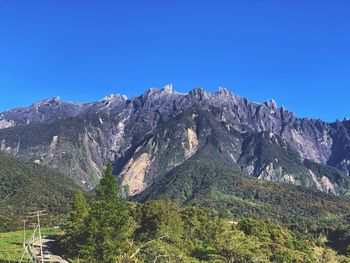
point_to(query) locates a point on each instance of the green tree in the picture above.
(106, 228)
(196, 222)
(73, 236)
(161, 219)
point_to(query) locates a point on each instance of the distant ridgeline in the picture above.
(146, 137)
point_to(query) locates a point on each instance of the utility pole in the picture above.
(40, 241)
(28, 248)
(24, 233)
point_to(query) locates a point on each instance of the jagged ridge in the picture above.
(147, 136)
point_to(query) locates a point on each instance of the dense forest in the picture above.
(110, 229)
(232, 194)
(25, 187)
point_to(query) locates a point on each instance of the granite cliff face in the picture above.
(147, 136)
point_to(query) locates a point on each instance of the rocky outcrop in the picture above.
(147, 136)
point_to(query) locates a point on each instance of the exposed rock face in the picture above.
(6, 124)
(135, 173)
(147, 136)
(192, 142)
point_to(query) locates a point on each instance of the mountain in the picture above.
(148, 136)
(230, 191)
(27, 187)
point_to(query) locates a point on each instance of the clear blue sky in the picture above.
(297, 52)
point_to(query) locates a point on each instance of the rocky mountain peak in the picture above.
(271, 104)
(48, 102)
(198, 93)
(223, 90)
(113, 97)
(167, 89)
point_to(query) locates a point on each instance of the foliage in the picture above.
(11, 243)
(231, 193)
(75, 225)
(244, 220)
(339, 239)
(26, 187)
(162, 232)
(160, 219)
(208, 238)
(99, 234)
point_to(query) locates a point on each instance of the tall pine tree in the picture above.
(107, 223)
(74, 231)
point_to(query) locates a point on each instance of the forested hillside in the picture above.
(231, 193)
(25, 187)
(109, 229)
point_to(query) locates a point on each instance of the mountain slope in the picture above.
(224, 189)
(267, 156)
(147, 136)
(198, 135)
(26, 187)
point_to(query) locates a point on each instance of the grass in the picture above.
(11, 247)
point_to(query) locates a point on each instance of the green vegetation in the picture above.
(242, 222)
(216, 215)
(11, 243)
(232, 194)
(99, 233)
(26, 187)
(74, 230)
(160, 231)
